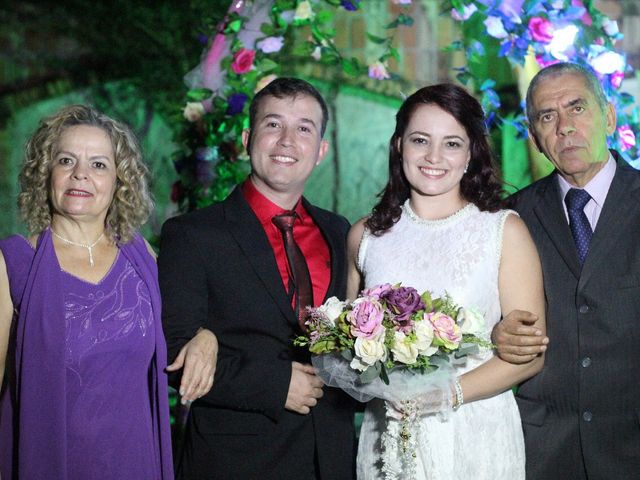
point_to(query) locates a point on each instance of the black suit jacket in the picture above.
(581, 414)
(218, 271)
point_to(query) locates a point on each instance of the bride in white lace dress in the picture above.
(439, 227)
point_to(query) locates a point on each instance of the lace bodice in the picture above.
(458, 255)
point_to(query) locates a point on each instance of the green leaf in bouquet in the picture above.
(382, 373)
(327, 345)
(347, 354)
(342, 323)
(466, 349)
(371, 373)
(427, 300)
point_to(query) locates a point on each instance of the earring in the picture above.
(466, 167)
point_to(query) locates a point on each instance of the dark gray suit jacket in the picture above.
(218, 271)
(581, 414)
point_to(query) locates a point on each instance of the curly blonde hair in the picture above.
(132, 202)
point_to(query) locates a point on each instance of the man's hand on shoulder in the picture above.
(304, 389)
(517, 339)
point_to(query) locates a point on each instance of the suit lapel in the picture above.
(618, 210)
(252, 240)
(552, 218)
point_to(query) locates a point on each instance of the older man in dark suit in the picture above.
(245, 269)
(581, 414)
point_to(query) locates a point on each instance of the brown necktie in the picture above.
(303, 291)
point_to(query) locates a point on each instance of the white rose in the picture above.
(332, 308)
(193, 111)
(303, 11)
(370, 350)
(471, 321)
(356, 364)
(610, 27)
(424, 337)
(403, 350)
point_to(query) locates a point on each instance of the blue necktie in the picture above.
(575, 200)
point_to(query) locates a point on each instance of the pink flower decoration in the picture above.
(541, 29)
(627, 137)
(243, 61)
(378, 71)
(467, 11)
(271, 44)
(586, 18)
(616, 79)
(366, 318)
(376, 291)
(445, 330)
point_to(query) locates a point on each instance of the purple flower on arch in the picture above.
(351, 6)
(627, 137)
(236, 103)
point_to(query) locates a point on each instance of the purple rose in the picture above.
(403, 302)
(366, 318)
(236, 103)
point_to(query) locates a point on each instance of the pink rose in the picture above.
(376, 291)
(243, 61)
(445, 331)
(616, 79)
(541, 29)
(366, 318)
(627, 137)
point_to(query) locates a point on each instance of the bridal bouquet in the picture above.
(395, 344)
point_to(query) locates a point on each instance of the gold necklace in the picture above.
(83, 245)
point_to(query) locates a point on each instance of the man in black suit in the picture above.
(224, 268)
(581, 414)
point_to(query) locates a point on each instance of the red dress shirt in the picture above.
(306, 234)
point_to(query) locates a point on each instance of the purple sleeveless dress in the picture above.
(109, 351)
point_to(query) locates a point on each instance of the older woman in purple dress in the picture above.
(82, 354)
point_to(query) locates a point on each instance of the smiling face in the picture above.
(569, 127)
(83, 174)
(286, 145)
(435, 151)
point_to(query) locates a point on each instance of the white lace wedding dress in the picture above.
(459, 255)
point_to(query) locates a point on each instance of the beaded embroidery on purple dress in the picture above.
(111, 336)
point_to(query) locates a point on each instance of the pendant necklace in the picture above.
(83, 245)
